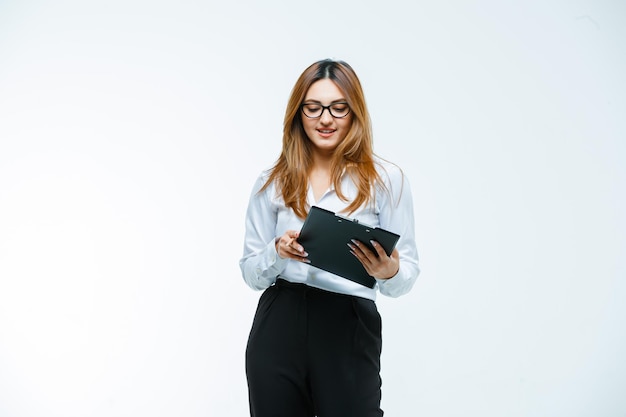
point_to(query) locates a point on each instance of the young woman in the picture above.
(315, 344)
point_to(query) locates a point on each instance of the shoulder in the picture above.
(265, 175)
(260, 181)
(262, 184)
(394, 186)
(390, 173)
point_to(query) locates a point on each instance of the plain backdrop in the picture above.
(131, 133)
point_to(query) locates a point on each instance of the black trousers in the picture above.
(314, 353)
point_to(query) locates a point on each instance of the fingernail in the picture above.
(373, 243)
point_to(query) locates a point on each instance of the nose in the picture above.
(326, 118)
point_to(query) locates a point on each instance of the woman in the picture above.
(315, 344)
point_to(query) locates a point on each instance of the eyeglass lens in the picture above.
(314, 110)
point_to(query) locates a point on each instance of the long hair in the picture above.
(354, 156)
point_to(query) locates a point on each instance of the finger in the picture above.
(294, 251)
(364, 250)
(356, 248)
(292, 236)
(365, 262)
(379, 249)
(297, 248)
(285, 248)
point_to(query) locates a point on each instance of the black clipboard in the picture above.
(325, 237)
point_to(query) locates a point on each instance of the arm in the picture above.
(260, 264)
(396, 215)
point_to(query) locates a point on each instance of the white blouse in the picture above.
(267, 218)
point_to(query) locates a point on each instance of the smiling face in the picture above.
(325, 132)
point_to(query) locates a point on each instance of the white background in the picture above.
(131, 133)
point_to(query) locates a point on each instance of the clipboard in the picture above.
(325, 237)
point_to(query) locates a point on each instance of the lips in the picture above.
(326, 132)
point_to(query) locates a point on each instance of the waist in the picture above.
(364, 292)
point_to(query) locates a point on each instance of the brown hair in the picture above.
(354, 154)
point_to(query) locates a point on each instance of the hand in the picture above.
(381, 266)
(288, 247)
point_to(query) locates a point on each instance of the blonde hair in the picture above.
(354, 154)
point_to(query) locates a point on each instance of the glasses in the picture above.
(315, 110)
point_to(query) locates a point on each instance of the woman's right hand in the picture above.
(288, 247)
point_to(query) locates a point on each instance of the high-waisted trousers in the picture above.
(314, 353)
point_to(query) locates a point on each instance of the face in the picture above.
(326, 131)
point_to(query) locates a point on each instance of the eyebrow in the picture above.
(311, 101)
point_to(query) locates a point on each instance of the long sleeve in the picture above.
(396, 215)
(260, 264)
(267, 218)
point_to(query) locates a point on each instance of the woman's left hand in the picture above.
(381, 266)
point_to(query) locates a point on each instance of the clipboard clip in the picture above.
(341, 218)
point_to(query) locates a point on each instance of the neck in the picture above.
(321, 161)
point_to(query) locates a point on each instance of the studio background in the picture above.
(131, 133)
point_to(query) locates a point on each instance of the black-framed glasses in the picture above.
(337, 110)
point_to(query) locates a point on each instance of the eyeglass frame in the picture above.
(326, 108)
